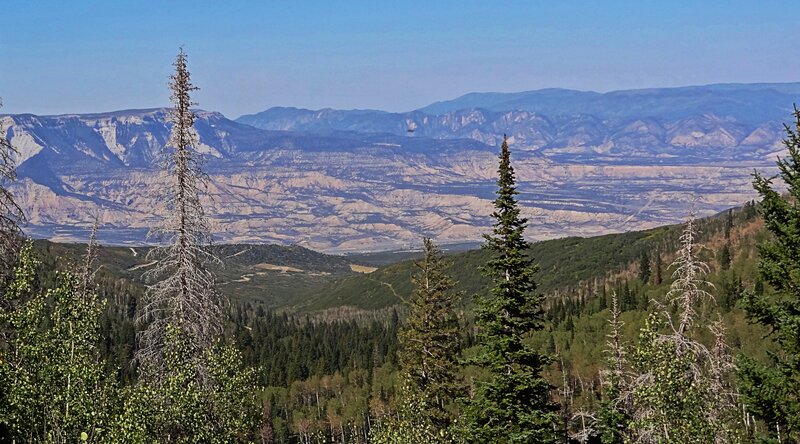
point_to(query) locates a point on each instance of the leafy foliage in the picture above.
(409, 426)
(668, 399)
(53, 381)
(181, 409)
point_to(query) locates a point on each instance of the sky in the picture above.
(246, 56)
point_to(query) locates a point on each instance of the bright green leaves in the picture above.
(219, 406)
(669, 398)
(52, 380)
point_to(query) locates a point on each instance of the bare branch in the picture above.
(11, 215)
(88, 272)
(181, 287)
(688, 289)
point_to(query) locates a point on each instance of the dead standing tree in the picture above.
(681, 390)
(687, 291)
(86, 277)
(11, 214)
(181, 293)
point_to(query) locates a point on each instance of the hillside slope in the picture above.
(273, 275)
(564, 264)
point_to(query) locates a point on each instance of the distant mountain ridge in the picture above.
(632, 121)
(361, 181)
(746, 102)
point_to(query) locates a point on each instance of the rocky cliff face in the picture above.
(343, 181)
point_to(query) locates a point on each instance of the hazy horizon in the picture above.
(3, 110)
(94, 56)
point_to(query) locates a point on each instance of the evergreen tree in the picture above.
(430, 341)
(657, 279)
(628, 301)
(512, 405)
(644, 267)
(772, 391)
(724, 257)
(750, 211)
(728, 225)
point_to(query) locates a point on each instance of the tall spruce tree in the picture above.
(772, 391)
(431, 341)
(644, 267)
(512, 405)
(657, 268)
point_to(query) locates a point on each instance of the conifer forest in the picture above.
(677, 333)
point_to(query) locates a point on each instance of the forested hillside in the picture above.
(327, 354)
(563, 263)
(304, 328)
(276, 276)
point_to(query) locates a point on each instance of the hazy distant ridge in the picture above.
(721, 116)
(745, 102)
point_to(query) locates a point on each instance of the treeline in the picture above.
(286, 349)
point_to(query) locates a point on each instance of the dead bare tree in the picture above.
(724, 400)
(87, 271)
(585, 430)
(614, 344)
(688, 288)
(181, 291)
(616, 381)
(11, 215)
(682, 388)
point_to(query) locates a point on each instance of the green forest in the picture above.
(686, 333)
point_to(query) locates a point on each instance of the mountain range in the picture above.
(618, 122)
(359, 180)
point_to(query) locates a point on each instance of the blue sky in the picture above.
(246, 56)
